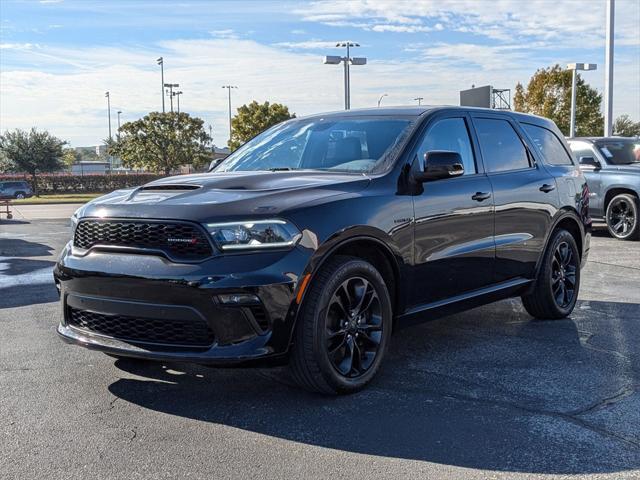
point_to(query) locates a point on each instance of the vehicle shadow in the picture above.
(16, 247)
(490, 389)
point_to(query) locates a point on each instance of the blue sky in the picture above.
(57, 58)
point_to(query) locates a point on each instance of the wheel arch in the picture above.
(569, 220)
(614, 192)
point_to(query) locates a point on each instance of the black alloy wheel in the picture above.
(354, 327)
(343, 327)
(563, 275)
(622, 217)
(555, 291)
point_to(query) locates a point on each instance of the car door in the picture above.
(525, 195)
(453, 232)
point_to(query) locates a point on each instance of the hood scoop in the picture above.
(169, 187)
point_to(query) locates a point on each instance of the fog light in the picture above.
(238, 299)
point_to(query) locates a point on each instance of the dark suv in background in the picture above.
(612, 168)
(316, 239)
(15, 189)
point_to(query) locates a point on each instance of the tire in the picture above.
(558, 273)
(358, 342)
(622, 217)
(19, 195)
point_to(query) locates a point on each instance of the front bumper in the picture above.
(149, 292)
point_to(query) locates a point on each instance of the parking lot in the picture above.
(488, 393)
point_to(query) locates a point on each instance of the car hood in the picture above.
(216, 196)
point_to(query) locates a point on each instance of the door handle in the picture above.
(546, 188)
(480, 196)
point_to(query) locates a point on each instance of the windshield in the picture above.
(620, 152)
(356, 144)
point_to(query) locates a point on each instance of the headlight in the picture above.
(254, 234)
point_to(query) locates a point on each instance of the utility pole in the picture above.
(211, 138)
(229, 87)
(347, 60)
(118, 134)
(170, 87)
(177, 94)
(419, 99)
(608, 69)
(161, 63)
(106, 94)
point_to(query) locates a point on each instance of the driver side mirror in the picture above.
(439, 164)
(589, 162)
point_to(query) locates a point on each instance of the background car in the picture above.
(612, 168)
(15, 189)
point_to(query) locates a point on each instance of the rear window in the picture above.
(548, 144)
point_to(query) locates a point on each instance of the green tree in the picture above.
(70, 156)
(162, 142)
(32, 152)
(548, 94)
(625, 127)
(254, 118)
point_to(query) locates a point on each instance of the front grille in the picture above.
(179, 241)
(143, 330)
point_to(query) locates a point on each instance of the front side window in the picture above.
(548, 144)
(450, 134)
(351, 144)
(620, 152)
(502, 149)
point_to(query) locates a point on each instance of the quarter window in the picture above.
(450, 134)
(502, 149)
(548, 144)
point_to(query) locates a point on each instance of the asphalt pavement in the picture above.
(488, 393)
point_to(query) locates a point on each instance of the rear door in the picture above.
(453, 246)
(525, 195)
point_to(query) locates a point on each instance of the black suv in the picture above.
(316, 239)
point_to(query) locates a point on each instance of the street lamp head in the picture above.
(106, 94)
(332, 59)
(119, 112)
(359, 61)
(582, 66)
(160, 61)
(347, 44)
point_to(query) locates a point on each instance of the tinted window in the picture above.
(450, 134)
(501, 146)
(548, 144)
(357, 144)
(620, 152)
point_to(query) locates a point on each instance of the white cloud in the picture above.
(306, 45)
(226, 33)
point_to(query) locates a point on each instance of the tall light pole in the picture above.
(419, 99)
(170, 87)
(347, 60)
(211, 138)
(229, 87)
(106, 94)
(118, 134)
(177, 95)
(574, 67)
(381, 97)
(608, 70)
(161, 63)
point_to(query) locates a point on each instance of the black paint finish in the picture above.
(445, 245)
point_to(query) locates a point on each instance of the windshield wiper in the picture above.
(280, 169)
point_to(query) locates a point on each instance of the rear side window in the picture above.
(450, 134)
(548, 144)
(502, 149)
